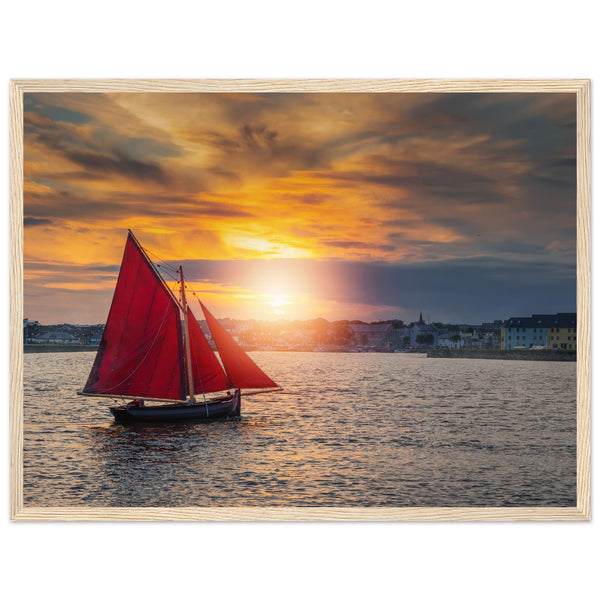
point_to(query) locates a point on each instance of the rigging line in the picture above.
(145, 355)
(191, 290)
(165, 269)
(162, 260)
(168, 271)
(165, 265)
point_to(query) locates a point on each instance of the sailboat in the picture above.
(154, 354)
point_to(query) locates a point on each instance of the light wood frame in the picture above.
(581, 512)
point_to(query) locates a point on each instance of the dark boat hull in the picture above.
(168, 413)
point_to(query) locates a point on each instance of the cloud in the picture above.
(121, 165)
(123, 206)
(350, 245)
(35, 221)
(469, 290)
(381, 179)
(426, 179)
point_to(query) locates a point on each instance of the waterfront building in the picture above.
(30, 330)
(57, 337)
(450, 339)
(562, 331)
(371, 335)
(557, 331)
(420, 331)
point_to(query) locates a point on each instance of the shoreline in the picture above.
(43, 348)
(544, 355)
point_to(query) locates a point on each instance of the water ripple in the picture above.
(348, 430)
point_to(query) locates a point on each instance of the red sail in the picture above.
(141, 350)
(207, 372)
(241, 369)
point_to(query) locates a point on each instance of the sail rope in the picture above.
(170, 272)
(145, 355)
(163, 263)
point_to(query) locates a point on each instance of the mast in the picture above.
(186, 336)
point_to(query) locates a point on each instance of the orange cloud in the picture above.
(397, 178)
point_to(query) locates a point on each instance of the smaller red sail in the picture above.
(207, 372)
(242, 371)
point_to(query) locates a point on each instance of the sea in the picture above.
(348, 430)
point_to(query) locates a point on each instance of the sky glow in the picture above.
(343, 206)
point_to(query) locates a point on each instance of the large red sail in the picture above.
(242, 371)
(141, 350)
(207, 372)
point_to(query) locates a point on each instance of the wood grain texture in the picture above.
(301, 514)
(583, 301)
(580, 87)
(300, 85)
(16, 299)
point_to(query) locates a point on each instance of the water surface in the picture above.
(348, 430)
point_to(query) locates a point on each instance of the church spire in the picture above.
(421, 322)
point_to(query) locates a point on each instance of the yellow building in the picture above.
(562, 333)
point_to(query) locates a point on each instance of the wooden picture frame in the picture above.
(580, 512)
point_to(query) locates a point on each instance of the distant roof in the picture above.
(370, 328)
(56, 335)
(557, 320)
(422, 326)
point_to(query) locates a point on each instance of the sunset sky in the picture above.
(342, 206)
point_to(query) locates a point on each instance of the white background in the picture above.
(524, 39)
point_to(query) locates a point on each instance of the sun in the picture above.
(278, 301)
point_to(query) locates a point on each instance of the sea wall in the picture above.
(31, 348)
(555, 355)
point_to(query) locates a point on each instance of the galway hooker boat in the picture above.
(154, 354)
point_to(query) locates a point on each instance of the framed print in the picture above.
(300, 300)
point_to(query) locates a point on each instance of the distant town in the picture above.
(536, 332)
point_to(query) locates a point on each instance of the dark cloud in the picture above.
(67, 205)
(534, 117)
(308, 198)
(35, 221)
(104, 268)
(349, 245)
(258, 136)
(122, 155)
(54, 112)
(225, 173)
(468, 290)
(312, 199)
(119, 165)
(72, 271)
(425, 178)
(560, 173)
(258, 149)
